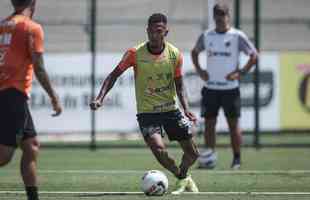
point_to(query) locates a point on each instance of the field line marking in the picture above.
(140, 193)
(246, 172)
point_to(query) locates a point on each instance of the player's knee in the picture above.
(4, 161)
(193, 155)
(5, 158)
(6, 154)
(34, 149)
(234, 130)
(160, 152)
(31, 148)
(210, 121)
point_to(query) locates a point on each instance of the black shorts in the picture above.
(173, 122)
(213, 100)
(15, 119)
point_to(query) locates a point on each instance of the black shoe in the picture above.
(236, 164)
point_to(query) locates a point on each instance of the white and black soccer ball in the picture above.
(154, 183)
(207, 159)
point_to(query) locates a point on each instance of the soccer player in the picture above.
(157, 67)
(21, 54)
(222, 74)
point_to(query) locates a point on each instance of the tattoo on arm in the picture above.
(108, 83)
(42, 76)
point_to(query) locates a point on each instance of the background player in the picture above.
(223, 46)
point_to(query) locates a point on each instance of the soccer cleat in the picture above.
(236, 164)
(191, 185)
(181, 186)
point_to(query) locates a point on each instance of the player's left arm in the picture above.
(36, 49)
(181, 91)
(248, 48)
(43, 78)
(245, 46)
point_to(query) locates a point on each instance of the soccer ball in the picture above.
(154, 183)
(207, 159)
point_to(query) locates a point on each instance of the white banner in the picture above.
(70, 74)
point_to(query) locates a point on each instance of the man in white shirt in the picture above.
(222, 75)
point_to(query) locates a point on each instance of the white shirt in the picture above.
(223, 53)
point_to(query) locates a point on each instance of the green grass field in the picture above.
(269, 173)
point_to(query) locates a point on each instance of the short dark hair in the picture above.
(19, 3)
(221, 8)
(157, 17)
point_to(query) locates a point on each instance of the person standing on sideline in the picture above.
(21, 54)
(221, 76)
(157, 68)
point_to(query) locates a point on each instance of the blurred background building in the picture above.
(285, 24)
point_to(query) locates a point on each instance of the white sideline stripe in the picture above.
(275, 172)
(80, 193)
(246, 172)
(140, 193)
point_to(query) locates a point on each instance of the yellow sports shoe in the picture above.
(181, 186)
(191, 185)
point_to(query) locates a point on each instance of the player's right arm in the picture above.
(199, 47)
(127, 61)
